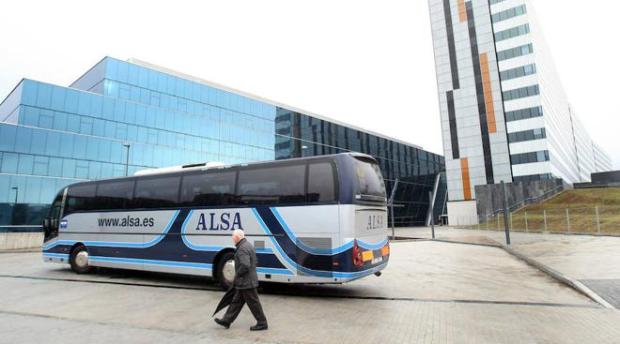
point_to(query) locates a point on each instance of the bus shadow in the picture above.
(313, 290)
(139, 278)
(159, 279)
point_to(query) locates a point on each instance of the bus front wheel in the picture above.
(79, 260)
(226, 270)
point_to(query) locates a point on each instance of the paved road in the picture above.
(417, 270)
(430, 293)
(591, 260)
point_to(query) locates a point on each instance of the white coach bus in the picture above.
(312, 220)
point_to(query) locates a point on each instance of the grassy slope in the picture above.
(581, 207)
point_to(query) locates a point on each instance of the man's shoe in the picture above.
(259, 327)
(222, 323)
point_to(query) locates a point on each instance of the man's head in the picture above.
(237, 235)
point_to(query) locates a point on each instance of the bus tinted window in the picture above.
(369, 179)
(159, 192)
(114, 194)
(208, 189)
(81, 197)
(321, 183)
(282, 185)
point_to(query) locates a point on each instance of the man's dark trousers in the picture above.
(245, 284)
(241, 297)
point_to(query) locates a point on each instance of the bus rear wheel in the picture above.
(226, 270)
(79, 260)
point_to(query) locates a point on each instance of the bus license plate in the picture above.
(377, 260)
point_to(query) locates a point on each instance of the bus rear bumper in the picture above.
(367, 272)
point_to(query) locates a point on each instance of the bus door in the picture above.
(51, 223)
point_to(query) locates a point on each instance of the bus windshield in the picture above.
(370, 186)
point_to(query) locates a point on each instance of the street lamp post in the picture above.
(16, 193)
(127, 145)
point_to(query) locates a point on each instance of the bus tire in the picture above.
(79, 260)
(226, 270)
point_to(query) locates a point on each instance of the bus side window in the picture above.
(321, 182)
(81, 197)
(114, 194)
(208, 189)
(272, 185)
(157, 192)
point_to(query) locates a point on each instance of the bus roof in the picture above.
(219, 166)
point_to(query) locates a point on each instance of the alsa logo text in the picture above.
(219, 222)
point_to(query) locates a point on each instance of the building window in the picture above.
(509, 13)
(517, 115)
(531, 157)
(513, 32)
(518, 72)
(522, 92)
(527, 135)
(515, 52)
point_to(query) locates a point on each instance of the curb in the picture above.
(558, 276)
(467, 243)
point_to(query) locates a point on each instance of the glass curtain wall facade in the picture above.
(121, 117)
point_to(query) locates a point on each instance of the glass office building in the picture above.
(125, 116)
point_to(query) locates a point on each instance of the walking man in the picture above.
(245, 284)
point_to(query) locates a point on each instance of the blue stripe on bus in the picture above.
(369, 246)
(155, 241)
(56, 255)
(347, 246)
(151, 262)
(274, 271)
(166, 263)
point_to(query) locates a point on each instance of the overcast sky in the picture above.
(369, 63)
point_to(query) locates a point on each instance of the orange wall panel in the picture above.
(488, 93)
(462, 10)
(466, 179)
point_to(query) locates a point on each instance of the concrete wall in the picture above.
(19, 241)
(489, 197)
(611, 178)
(462, 213)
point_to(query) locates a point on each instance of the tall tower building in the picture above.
(504, 114)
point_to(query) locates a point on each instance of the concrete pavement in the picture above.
(431, 292)
(591, 260)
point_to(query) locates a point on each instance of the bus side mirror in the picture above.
(46, 222)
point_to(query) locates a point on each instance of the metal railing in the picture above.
(598, 220)
(525, 202)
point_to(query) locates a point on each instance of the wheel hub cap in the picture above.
(81, 259)
(228, 271)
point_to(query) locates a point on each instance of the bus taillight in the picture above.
(385, 250)
(357, 255)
